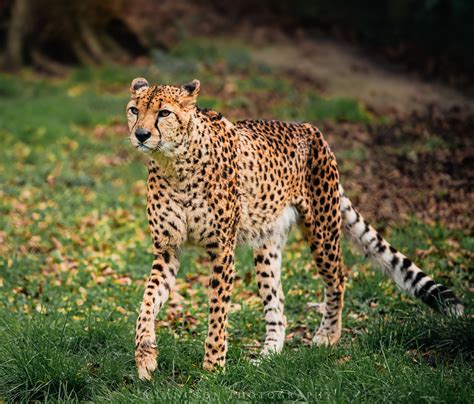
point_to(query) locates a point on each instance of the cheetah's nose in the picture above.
(142, 134)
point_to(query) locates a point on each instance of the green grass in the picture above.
(312, 107)
(75, 251)
(234, 54)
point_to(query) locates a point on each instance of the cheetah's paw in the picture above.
(321, 339)
(145, 358)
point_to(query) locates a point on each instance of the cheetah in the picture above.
(218, 184)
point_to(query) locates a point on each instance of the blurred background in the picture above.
(391, 73)
(432, 36)
(389, 82)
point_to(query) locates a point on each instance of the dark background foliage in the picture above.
(431, 36)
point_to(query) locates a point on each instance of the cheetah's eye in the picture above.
(133, 110)
(163, 113)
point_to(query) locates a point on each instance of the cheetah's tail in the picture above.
(405, 273)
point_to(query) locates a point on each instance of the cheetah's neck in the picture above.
(166, 164)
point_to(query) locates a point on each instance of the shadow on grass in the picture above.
(437, 336)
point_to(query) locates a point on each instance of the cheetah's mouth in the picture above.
(161, 147)
(147, 149)
(144, 148)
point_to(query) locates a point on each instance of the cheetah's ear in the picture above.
(138, 83)
(192, 90)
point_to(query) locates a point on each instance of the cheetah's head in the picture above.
(159, 117)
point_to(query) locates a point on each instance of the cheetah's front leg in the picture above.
(220, 285)
(268, 269)
(157, 290)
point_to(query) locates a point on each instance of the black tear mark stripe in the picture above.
(135, 124)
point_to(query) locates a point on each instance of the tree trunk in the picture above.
(15, 34)
(50, 66)
(92, 43)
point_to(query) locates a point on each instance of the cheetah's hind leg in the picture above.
(321, 225)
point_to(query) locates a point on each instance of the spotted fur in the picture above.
(218, 184)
